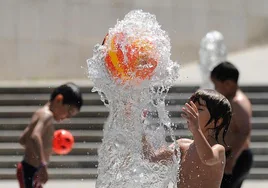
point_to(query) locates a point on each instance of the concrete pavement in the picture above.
(91, 184)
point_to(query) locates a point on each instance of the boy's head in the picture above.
(214, 110)
(225, 78)
(66, 101)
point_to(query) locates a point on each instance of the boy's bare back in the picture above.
(238, 135)
(194, 173)
(41, 123)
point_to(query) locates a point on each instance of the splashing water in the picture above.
(212, 52)
(132, 70)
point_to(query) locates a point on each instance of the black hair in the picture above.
(225, 71)
(104, 40)
(71, 94)
(218, 107)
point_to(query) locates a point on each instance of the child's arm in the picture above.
(163, 155)
(208, 155)
(148, 150)
(27, 131)
(39, 130)
(37, 134)
(24, 135)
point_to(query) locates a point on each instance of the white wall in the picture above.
(53, 38)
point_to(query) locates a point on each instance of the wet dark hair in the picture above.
(71, 94)
(104, 40)
(225, 71)
(218, 107)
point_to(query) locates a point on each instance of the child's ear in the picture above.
(59, 98)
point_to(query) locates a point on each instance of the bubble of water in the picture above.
(116, 70)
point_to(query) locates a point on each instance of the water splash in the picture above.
(132, 70)
(212, 52)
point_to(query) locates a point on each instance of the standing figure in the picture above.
(240, 158)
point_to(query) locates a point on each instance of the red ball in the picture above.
(62, 142)
(136, 60)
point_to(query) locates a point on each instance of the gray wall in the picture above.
(50, 39)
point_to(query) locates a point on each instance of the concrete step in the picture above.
(79, 135)
(41, 99)
(94, 99)
(88, 173)
(82, 166)
(94, 123)
(97, 135)
(56, 173)
(258, 98)
(91, 173)
(91, 161)
(181, 98)
(259, 148)
(259, 135)
(260, 161)
(91, 148)
(247, 89)
(48, 89)
(256, 135)
(73, 123)
(102, 111)
(27, 111)
(80, 148)
(68, 161)
(87, 89)
(19, 89)
(258, 173)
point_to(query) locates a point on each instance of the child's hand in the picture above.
(37, 183)
(190, 113)
(43, 175)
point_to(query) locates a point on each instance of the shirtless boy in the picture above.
(65, 102)
(225, 78)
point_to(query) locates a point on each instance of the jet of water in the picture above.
(132, 70)
(212, 52)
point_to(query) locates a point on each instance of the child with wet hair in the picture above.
(208, 115)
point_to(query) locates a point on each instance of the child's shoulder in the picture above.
(183, 143)
(43, 114)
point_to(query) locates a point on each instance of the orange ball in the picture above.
(62, 142)
(139, 60)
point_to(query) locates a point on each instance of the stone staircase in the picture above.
(18, 104)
